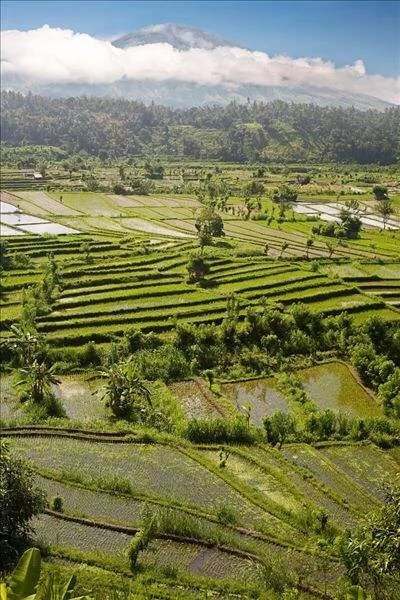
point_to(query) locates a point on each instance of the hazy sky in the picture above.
(349, 46)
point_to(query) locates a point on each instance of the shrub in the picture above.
(197, 268)
(279, 427)
(57, 504)
(226, 515)
(89, 356)
(221, 431)
(166, 363)
(19, 502)
(389, 391)
(135, 340)
(140, 542)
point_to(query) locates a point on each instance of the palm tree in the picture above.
(124, 392)
(283, 248)
(38, 381)
(384, 209)
(309, 244)
(25, 342)
(331, 248)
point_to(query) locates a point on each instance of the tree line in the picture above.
(252, 132)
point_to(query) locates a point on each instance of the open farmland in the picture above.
(264, 482)
(246, 408)
(121, 286)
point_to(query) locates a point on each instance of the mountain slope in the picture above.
(181, 38)
(238, 132)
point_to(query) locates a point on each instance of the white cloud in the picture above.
(52, 55)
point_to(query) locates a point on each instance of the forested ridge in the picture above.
(255, 131)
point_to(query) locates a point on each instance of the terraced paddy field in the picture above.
(270, 492)
(121, 285)
(261, 396)
(174, 217)
(334, 386)
(196, 400)
(379, 281)
(125, 271)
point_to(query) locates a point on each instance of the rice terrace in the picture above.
(200, 343)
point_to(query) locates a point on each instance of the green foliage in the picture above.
(57, 504)
(26, 343)
(24, 581)
(254, 132)
(371, 555)
(227, 515)
(25, 577)
(37, 383)
(154, 170)
(285, 196)
(167, 363)
(197, 268)
(19, 502)
(5, 258)
(374, 369)
(357, 593)
(141, 541)
(380, 192)
(90, 355)
(279, 427)
(223, 457)
(389, 391)
(384, 209)
(208, 224)
(221, 431)
(350, 225)
(126, 394)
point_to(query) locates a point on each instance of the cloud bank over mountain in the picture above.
(61, 56)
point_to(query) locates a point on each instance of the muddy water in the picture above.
(259, 394)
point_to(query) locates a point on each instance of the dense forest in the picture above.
(250, 132)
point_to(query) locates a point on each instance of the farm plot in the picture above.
(153, 228)
(19, 219)
(116, 509)
(89, 203)
(333, 386)
(346, 270)
(99, 308)
(13, 219)
(150, 470)
(193, 558)
(259, 395)
(80, 396)
(42, 204)
(211, 562)
(331, 212)
(99, 506)
(341, 486)
(101, 299)
(310, 487)
(380, 281)
(125, 202)
(385, 271)
(194, 401)
(7, 231)
(263, 481)
(66, 534)
(10, 408)
(368, 466)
